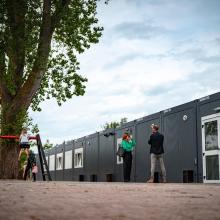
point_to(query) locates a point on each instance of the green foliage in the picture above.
(75, 29)
(123, 121)
(114, 124)
(23, 160)
(30, 125)
(47, 145)
(19, 121)
(22, 120)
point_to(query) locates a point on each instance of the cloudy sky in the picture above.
(153, 55)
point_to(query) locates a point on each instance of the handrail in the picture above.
(16, 137)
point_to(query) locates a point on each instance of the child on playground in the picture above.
(24, 143)
(34, 171)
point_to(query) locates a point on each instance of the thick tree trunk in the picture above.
(9, 168)
(11, 124)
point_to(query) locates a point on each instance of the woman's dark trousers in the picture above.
(28, 168)
(34, 176)
(127, 163)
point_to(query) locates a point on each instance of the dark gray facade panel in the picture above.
(206, 106)
(142, 150)
(68, 173)
(52, 152)
(79, 173)
(182, 131)
(119, 167)
(179, 129)
(92, 157)
(106, 156)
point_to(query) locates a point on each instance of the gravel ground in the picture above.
(116, 201)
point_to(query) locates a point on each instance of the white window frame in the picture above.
(52, 162)
(78, 163)
(118, 143)
(59, 162)
(211, 152)
(68, 159)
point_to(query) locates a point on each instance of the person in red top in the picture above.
(128, 145)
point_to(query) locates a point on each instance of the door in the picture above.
(211, 148)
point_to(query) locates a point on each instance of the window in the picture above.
(211, 135)
(59, 162)
(68, 159)
(119, 159)
(52, 163)
(78, 158)
(212, 167)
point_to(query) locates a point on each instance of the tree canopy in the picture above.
(39, 41)
(114, 124)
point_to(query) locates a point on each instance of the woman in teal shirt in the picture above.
(128, 146)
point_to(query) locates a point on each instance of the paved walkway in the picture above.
(114, 201)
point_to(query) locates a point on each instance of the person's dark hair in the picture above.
(125, 135)
(156, 127)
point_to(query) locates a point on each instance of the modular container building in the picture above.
(91, 155)
(106, 155)
(191, 142)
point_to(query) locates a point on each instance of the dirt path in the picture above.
(115, 201)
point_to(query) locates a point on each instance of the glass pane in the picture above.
(212, 167)
(211, 135)
(68, 159)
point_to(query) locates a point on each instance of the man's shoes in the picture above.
(151, 180)
(164, 180)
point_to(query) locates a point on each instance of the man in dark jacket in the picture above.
(156, 151)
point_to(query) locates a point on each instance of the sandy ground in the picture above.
(115, 201)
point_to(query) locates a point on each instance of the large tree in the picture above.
(39, 42)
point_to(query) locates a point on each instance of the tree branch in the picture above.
(3, 88)
(16, 11)
(32, 84)
(60, 9)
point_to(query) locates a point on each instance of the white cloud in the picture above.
(136, 76)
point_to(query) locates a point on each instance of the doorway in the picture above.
(211, 148)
